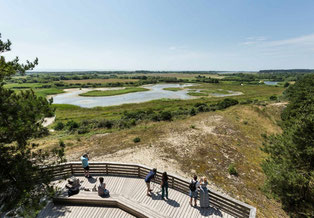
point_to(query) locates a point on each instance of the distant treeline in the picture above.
(303, 71)
(121, 72)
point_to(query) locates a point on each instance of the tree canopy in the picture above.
(22, 184)
(290, 165)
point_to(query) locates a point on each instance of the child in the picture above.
(102, 191)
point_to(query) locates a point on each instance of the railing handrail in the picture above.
(182, 182)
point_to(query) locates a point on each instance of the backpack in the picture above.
(192, 186)
(73, 191)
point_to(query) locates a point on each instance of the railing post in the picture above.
(138, 171)
(106, 168)
(71, 169)
(172, 182)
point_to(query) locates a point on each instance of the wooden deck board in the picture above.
(134, 189)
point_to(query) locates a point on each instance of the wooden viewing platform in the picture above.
(128, 195)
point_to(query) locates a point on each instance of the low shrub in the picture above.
(273, 98)
(82, 130)
(227, 102)
(166, 116)
(59, 126)
(105, 124)
(72, 125)
(192, 112)
(232, 170)
(136, 140)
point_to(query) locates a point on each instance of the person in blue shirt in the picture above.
(85, 165)
(148, 178)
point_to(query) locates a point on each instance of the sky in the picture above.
(174, 35)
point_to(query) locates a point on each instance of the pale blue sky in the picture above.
(161, 34)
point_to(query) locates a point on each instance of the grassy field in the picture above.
(99, 93)
(206, 92)
(36, 87)
(193, 93)
(23, 85)
(177, 75)
(173, 89)
(85, 81)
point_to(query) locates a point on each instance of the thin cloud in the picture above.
(307, 40)
(254, 40)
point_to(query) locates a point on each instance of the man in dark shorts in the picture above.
(194, 184)
(85, 165)
(148, 178)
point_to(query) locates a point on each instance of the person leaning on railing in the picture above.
(148, 178)
(194, 184)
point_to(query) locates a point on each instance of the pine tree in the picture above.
(289, 168)
(22, 184)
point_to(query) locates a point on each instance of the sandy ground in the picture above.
(48, 120)
(153, 155)
(149, 156)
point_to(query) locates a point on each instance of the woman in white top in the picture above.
(204, 198)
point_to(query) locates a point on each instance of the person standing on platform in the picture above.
(164, 185)
(148, 178)
(204, 198)
(85, 165)
(194, 184)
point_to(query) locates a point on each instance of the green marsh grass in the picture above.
(98, 93)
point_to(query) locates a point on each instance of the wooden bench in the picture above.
(92, 199)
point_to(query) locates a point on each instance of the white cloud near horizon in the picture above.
(305, 40)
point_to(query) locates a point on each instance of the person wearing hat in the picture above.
(85, 165)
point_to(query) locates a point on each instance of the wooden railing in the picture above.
(217, 200)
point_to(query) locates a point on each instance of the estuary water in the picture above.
(270, 83)
(156, 91)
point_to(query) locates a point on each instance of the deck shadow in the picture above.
(92, 180)
(209, 211)
(171, 202)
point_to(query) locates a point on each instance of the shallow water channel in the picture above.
(71, 96)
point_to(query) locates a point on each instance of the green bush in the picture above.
(72, 125)
(82, 130)
(136, 140)
(166, 116)
(227, 102)
(273, 98)
(105, 124)
(155, 117)
(192, 112)
(59, 126)
(232, 170)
